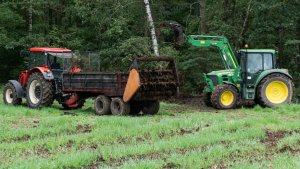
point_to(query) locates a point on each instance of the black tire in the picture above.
(150, 107)
(119, 107)
(79, 105)
(224, 96)
(135, 107)
(207, 98)
(270, 101)
(10, 95)
(42, 96)
(102, 105)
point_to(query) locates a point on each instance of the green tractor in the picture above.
(252, 76)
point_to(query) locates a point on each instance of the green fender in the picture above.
(271, 71)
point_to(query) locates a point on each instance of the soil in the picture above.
(84, 128)
(272, 137)
(171, 165)
(195, 102)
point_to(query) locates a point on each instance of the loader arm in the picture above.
(226, 53)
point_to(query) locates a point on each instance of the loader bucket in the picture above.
(157, 80)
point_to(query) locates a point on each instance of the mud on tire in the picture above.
(224, 96)
(10, 95)
(275, 98)
(39, 91)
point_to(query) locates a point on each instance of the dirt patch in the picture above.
(195, 102)
(70, 143)
(218, 166)
(42, 151)
(96, 163)
(171, 165)
(272, 137)
(288, 148)
(69, 113)
(84, 128)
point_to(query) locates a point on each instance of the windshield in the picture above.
(60, 61)
(259, 61)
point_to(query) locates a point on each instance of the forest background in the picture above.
(117, 31)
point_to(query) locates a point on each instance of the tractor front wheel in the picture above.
(39, 91)
(10, 95)
(224, 96)
(274, 90)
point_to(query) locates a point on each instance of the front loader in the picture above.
(253, 76)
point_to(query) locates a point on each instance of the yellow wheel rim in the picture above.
(277, 92)
(227, 98)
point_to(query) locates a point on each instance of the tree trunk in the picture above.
(30, 18)
(241, 36)
(202, 17)
(152, 28)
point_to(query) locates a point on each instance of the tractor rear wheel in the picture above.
(102, 105)
(275, 89)
(10, 95)
(39, 91)
(150, 107)
(224, 96)
(119, 107)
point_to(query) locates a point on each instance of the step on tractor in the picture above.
(251, 76)
(54, 74)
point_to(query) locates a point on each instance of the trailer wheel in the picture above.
(102, 105)
(10, 95)
(119, 107)
(39, 91)
(150, 107)
(135, 107)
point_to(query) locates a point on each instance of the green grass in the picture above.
(178, 137)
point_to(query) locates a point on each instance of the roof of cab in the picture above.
(258, 50)
(45, 49)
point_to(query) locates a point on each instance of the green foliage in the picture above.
(119, 31)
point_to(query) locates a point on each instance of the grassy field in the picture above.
(178, 137)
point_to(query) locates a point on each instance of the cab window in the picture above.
(254, 62)
(268, 61)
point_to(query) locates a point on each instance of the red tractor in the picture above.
(39, 84)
